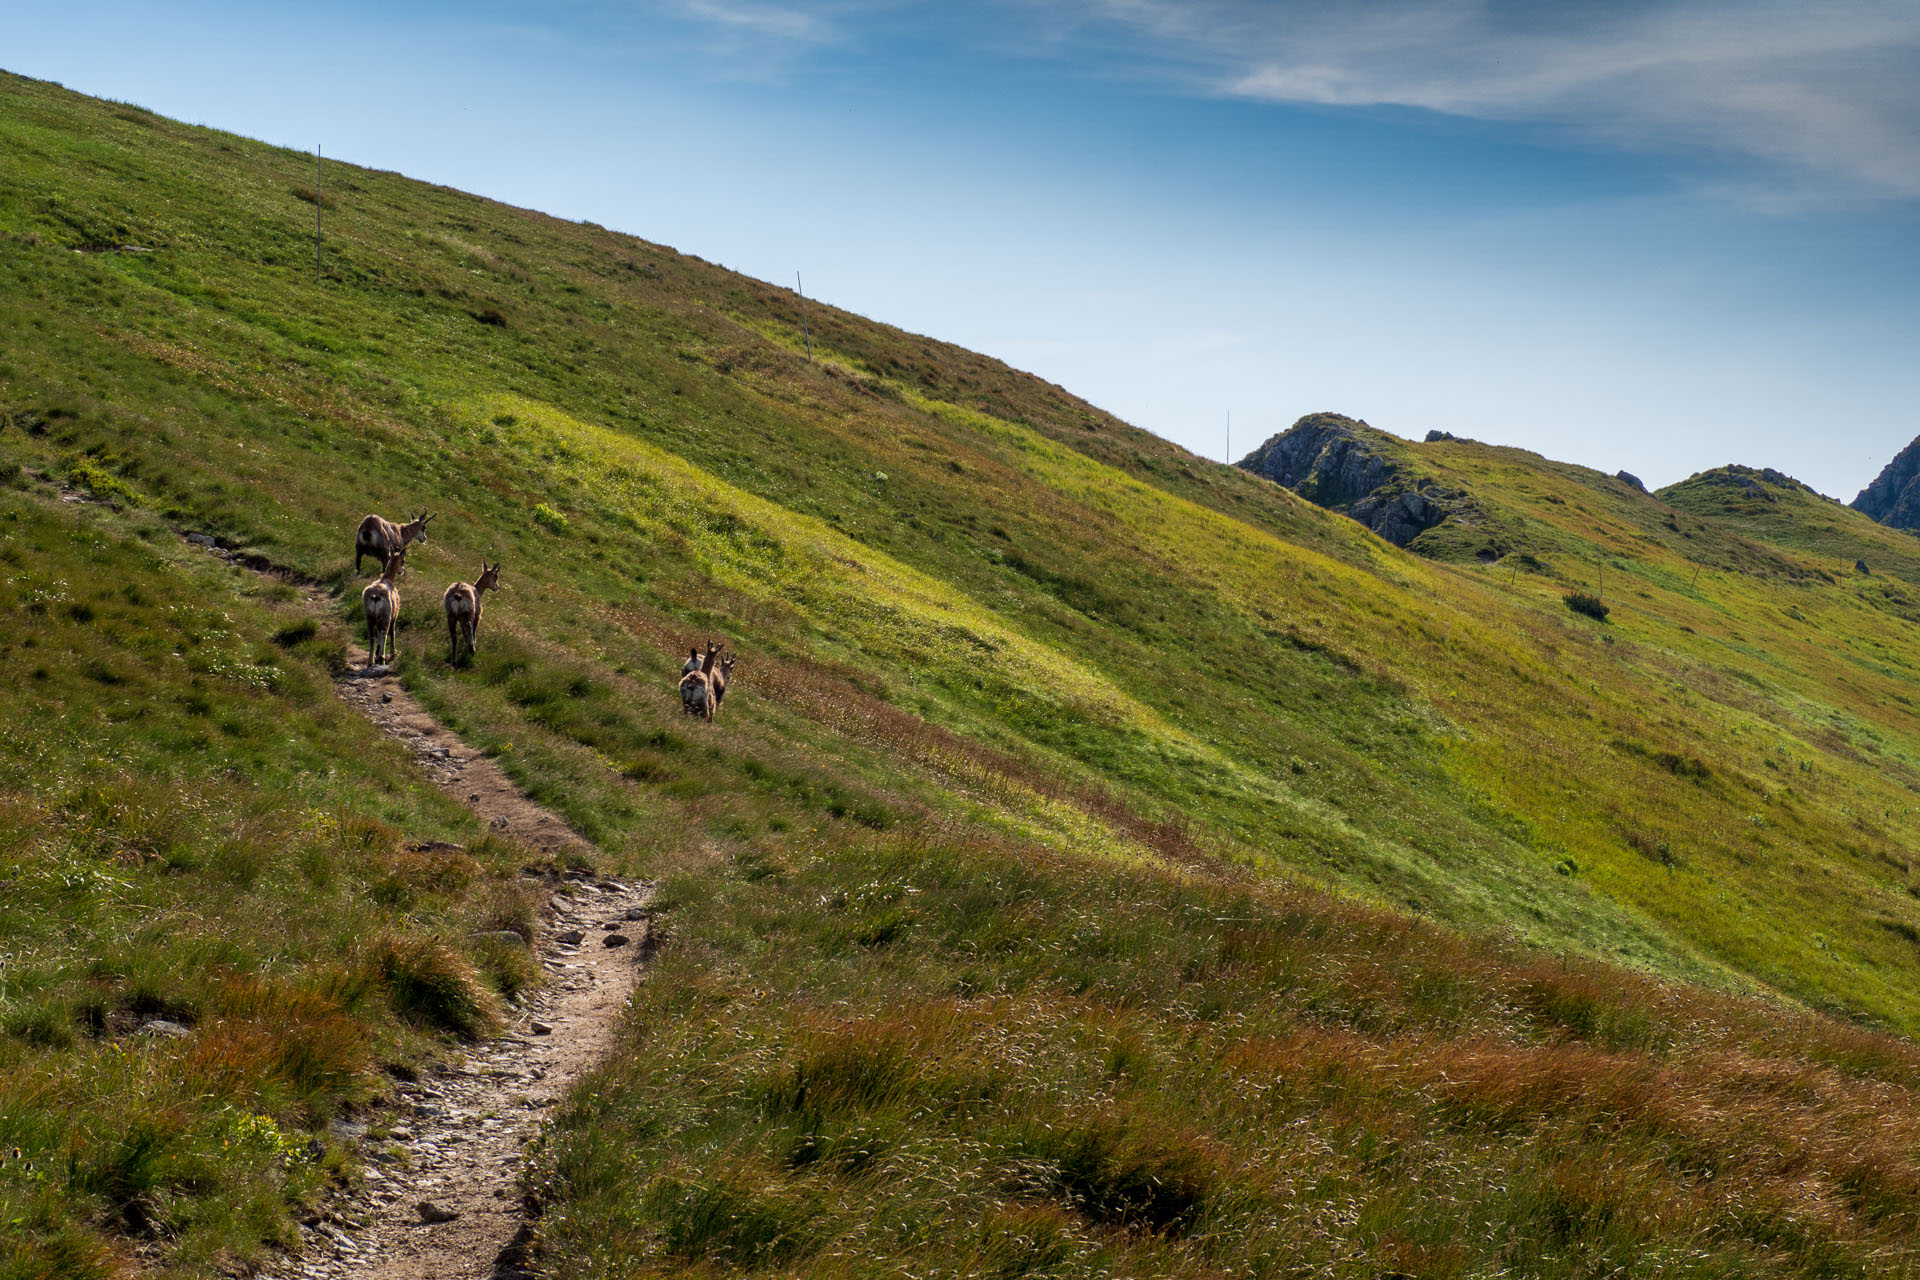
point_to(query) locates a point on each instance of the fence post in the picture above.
(805, 329)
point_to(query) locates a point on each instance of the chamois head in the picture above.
(415, 530)
(489, 579)
(396, 564)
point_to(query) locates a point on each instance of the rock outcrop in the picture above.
(1894, 496)
(1752, 482)
(1330, 460)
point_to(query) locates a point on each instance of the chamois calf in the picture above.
(696, 683)
(381, 600)
(462, 602)
(379, 537)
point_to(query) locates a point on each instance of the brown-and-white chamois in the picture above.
(696, 683)
(379, 537)
(381, 600)
(462, 601)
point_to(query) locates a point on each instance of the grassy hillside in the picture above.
(1047, 744)
(1774, 509)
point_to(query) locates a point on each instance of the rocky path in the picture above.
(440, 1198)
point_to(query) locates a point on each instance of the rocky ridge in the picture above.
(1328, 459)
(1894, 496)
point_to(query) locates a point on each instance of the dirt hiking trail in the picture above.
(441, 1199)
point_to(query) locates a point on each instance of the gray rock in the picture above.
(638, 913)
(433, 1213)
(1861, 565)
(1340, 464)
(1629, 479)
(340, 1239)
(162, 1027)
(540, 1029)
(615, 940)
(507, 936)
(571, 938)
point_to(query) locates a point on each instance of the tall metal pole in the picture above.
(804, 328)
(319, 197)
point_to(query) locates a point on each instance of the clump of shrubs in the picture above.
(1591, 605)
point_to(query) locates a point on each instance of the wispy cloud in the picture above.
(762, 20)
(1831, 89)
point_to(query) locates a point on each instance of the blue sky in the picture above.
(1652, 236)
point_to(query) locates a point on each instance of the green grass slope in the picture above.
(1775, 509)
(1005, 870)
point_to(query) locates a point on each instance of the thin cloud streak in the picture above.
(771, 21)
(1830, 90)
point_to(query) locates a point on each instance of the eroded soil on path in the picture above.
(463, 772)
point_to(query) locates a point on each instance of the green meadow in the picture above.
(1105, 862)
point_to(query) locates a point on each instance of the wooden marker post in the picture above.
(805, 330)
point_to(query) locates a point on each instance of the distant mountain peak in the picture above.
(1894, 496)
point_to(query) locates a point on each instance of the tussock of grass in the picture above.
(428, 981)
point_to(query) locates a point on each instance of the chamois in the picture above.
(379, 537)
(721, 674)
(696, 683)
(694, 660)
(381, 600)
(462, 602)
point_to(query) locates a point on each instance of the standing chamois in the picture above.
(462, 602)
(381, 599)
(696, 683)
(379, 537)
(719, 677)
